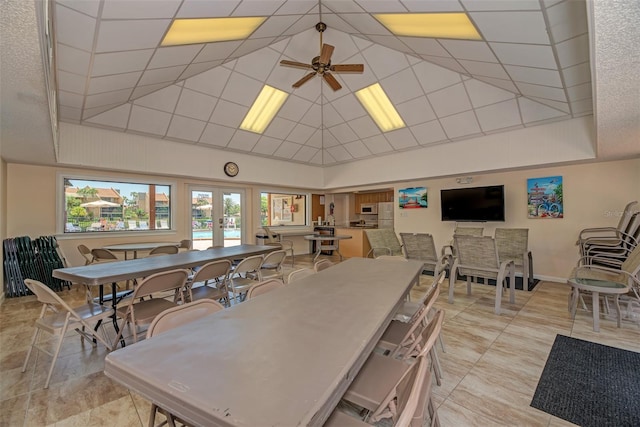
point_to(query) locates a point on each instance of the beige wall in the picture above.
(593, 194)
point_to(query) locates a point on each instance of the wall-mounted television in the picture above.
(473, 204)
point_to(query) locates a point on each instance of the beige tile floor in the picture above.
(491, 364)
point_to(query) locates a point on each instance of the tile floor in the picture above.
(491, 364)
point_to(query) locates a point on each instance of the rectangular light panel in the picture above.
(436, 25)
(264, 109)
(379, 107)
(206, 30)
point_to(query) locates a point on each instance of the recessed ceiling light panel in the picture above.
(206, 30)
(380, 108)
(436, 25)
(264, 109)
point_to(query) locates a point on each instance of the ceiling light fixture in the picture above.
(436, 25)
(206, 30)
(379, 107)
(264, 109)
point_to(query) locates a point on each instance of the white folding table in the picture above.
(285, 358)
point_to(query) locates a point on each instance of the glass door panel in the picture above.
(216, 217)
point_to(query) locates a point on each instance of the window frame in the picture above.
(286, 193)
(61, 204)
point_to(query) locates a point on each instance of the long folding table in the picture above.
(284, 358)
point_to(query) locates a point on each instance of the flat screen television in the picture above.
(473, 204)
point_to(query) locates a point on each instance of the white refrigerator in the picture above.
(385, 214)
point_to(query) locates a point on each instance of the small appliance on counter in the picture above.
(369, 208)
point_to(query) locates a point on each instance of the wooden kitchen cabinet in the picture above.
(357, 246)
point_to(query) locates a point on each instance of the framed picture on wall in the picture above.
(413, 198)
(544, 197)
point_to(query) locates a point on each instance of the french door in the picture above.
(216, 217)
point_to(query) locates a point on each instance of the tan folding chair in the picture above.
(375, 388)
(410, 394)
(103, 255)
(286, 245)
(141, 311)
(264, 287)
(164, 250)
(63, 318)
(186, 244)
(272, 266)
(299, 274)
(172, 318)
(242, 276)
(86, 254)
(322, 265)
(210, 282)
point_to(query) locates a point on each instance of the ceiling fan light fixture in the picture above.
(264, 109)
(380, 108)
(207, 30)
(437, 25)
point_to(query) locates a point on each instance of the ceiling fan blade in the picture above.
(294, 64)
(331, 81)
(303, 80)
(347, 68)
(325, 54)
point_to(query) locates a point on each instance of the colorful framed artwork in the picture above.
(544, 197)
(413, 198)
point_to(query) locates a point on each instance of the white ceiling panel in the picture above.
(185, 128)
(74, 29)
(468, 49)
(228, 114)
(217, 135)
(460, 125)
(499, 116)
(317, 125)
(451, 100)
(195, 105)
(416, 111)
(72, 60)
(428, 133)
(213, 9)
(512, 27)
(164, 99)
(150, 121)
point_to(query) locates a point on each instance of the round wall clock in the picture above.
(231, 169)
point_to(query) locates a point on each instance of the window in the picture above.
(283, 209)
(108, 206)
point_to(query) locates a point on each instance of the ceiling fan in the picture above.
(322, 64)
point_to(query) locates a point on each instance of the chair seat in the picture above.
(375, 379)
(241, 284)
(209, 292)
(147, 310)
(55, 322)
(341, 419)
(394, 334)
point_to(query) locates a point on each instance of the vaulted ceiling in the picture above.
(533, 66)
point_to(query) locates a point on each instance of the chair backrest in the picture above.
(86, 254)
(160, 282)
(383, 241)
(270, 236)
(410, 391)
(186, 244)
(212, 270)
(322, 265)
(468, 231)
(299, 274)
(264, 287)
(168, 249)
(46, 296)
(248, 265)
(632, 264)
(477, 256)
(101, 255)
(274, 260)
(144, 225)
(419, 246)
(512, 243)
(181, 315)
(430, 333)
(132, 224)
(627, 214)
